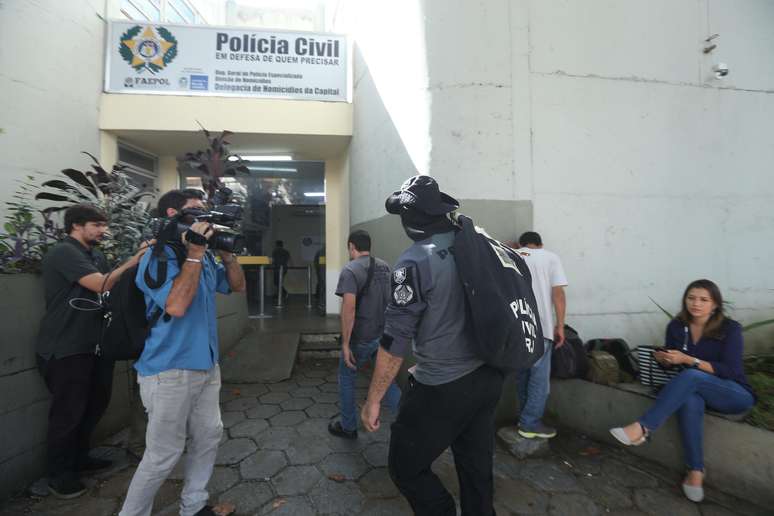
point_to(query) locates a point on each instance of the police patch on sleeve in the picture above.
(403, 295)
(403, 286)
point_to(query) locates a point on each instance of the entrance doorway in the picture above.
(284, 221)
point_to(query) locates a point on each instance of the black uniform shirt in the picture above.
(65, 330)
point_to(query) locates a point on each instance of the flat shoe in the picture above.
(693, 493)
(621, 437)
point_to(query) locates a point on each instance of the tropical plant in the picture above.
(215, 162)
(24, 242)
(31, 227)
(113, 193)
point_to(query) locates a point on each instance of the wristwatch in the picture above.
(696, 363)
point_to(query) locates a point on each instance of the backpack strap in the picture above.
(159, 254)
(155, 318)
(370, 276)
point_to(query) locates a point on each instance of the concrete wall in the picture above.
(50, 88)
(503, 220)
(24, 399)
(643, 170)
(738, 456)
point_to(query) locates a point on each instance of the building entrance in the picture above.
(284, 229)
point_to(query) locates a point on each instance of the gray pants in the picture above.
(181, 403)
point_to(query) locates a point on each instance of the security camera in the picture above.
(721, 70)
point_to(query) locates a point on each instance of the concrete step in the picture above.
(261, 358)
(315, 346)
(319, 341)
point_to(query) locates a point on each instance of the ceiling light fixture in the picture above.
(314, 194)
(253, 157)
(284, 170)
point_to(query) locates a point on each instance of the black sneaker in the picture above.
(336, 429)
(93, 464)
(66, 487)
(539, 430)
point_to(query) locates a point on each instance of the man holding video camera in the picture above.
(178, 371)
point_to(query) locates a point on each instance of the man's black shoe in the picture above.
(66, 487)
(336, 429)
(93, 464)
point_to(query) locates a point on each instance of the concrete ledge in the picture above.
(232, 320)
(24, 399)
(261, 359)
(739, 457)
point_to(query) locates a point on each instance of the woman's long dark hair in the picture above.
(714, 327)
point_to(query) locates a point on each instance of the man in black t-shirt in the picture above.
(74, 273)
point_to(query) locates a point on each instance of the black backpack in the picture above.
(620, 350)
(124, 325)
(570, 361)
(500, 301)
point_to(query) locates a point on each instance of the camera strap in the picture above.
(195, 238)
(158, 253)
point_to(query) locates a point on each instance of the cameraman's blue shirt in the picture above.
(190, 341)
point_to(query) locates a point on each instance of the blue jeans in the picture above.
(364, 353)
(688, 394)
(534, 385)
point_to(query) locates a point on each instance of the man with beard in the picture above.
(452, 394)
(74, 274)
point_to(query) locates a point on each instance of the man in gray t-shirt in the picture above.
(364, 286)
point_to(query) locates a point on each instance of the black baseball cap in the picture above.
(422, 194)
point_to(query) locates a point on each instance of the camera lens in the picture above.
(227, 241)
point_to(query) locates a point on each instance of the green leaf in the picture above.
(662, 308)
(59, 185)
(79, 177)
(51, 197)
(758, 324)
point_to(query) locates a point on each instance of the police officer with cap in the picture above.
(452, 395)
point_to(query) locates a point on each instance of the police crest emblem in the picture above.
(400, 275)
(403, 295)
(148, 48)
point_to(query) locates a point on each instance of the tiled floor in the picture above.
(277, 458)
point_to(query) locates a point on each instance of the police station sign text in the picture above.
(204, 60)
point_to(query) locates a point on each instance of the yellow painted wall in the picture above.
(240, 115)
(336, 225)
(169, 179)
(108, 149)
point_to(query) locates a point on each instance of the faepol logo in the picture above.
(149, 48)
(147, 81)
(129, 82)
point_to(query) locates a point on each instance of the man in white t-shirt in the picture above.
(548, 282)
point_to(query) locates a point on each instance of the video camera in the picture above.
(224, 213)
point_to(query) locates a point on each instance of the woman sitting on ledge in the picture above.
(709, 345)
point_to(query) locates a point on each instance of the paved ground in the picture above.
(277, 458)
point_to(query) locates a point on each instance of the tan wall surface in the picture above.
(336, 225)
(178, 113)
